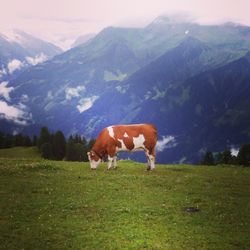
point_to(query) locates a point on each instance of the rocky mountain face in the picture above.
(191, 81)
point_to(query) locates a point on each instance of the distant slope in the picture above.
(207, 111)
(20, 153)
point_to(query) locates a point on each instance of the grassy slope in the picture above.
(20, 152)
(63, 205)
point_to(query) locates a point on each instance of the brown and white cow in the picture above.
(134, 137)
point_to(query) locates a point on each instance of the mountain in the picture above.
(194, 107)
(82, 39)
(59, 83)
(19, 50)
(152, 81)
(164, 73)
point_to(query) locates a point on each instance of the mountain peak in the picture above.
(161, 19)
(172, 18)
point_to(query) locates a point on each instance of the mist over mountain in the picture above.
(190, 80)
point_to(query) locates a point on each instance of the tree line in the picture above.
(8, 141)
(226, 157)
(53, 146)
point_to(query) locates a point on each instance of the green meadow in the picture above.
(66, 205)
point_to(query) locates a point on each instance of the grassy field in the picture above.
(65, 205)
(20, 153)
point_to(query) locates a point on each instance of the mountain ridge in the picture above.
(148, 74)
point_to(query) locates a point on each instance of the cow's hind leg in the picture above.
(148, 165)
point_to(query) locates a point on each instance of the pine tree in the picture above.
(74, 151)
(19, 140)
(34, 140)
(2, 140)
(44, 137)
(59, 145)
(218, 158)
(226, 156)
(208, 159)
(27, 141)
(243, 157)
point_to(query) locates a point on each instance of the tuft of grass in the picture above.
(127, 208)
(42, 165)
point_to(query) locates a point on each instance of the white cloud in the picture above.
(3, 72)
(14, 65)
(24, 98)
(49, 95)
(86, 103)
(74, 92)
(5, 91)
(37, 59)
(234, 151)
(165, 142)
(17, 113)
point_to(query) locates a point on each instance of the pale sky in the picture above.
(61, 21)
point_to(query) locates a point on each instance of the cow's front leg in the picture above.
(151, 160)
(110, 162)
(115, 162)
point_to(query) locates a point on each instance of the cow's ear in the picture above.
(88, 153)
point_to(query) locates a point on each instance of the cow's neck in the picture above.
(100, 151)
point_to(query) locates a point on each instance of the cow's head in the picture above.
(94, 159)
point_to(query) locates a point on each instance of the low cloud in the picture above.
(86, 103)
(74, 92)
(14, 65)
(16, 113)
(24, 98)
(165, 142)
(3, 72)
(5, 91)
(37, 59)
(234, 151)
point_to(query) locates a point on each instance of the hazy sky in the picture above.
(61, 21)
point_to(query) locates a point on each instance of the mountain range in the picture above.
(192, 81)
(19, 50)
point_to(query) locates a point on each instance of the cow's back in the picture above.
(131, 137)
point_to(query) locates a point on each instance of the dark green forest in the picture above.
(52, 146)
